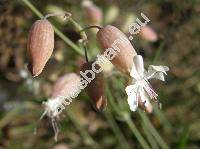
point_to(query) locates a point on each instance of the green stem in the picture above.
(57, 31)
(116, 130)
(9, 116)
(153, 131)
(149, 137)
(88, 139)
(136, 131)
(128, 120)
(167, 126)
(83, 35)
(158, 52)
(78, 28)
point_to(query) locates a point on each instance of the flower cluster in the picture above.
(115, 47)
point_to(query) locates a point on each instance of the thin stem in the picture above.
(159, 50)
(153, 131)
(111, 101)
(78, 28)
(83, 35)
(68, 41)
(162, 118)
(88, 139)
(128, 120)
(10, 115)
(116, 129)
(86, 55)
(149, 137)
(136, 132)
(57, 31)
(33, 8)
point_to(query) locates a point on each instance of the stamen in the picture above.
(149, 89)
(55, 128)
(50, 111)
(43, 114)
(137, 96)
(37, 122)
(159, 105)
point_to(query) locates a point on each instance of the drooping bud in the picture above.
(96, 88)
(64, 90)
(66, 85)
(148, 34)
(40, 45)
(93, 13)
(114, 41)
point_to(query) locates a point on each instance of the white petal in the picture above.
(131, 88)
(131, 91)
(156, 72)
(139, 64)
(132, 101)
(52, 105)
(134, 73)
(158, 69)
(159, 75)
(144, 97)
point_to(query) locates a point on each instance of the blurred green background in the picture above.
(176, 125)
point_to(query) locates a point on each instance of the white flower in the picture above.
(52, 106)
(141, 88)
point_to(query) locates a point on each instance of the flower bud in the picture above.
(96, 88)
(40, 45)
(66, 85)
(93, 13)
(64, 90)
(148, 34)
(111, 37)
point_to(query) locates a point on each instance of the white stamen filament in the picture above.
(50, 111)
(55, 128)
(149, 89)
